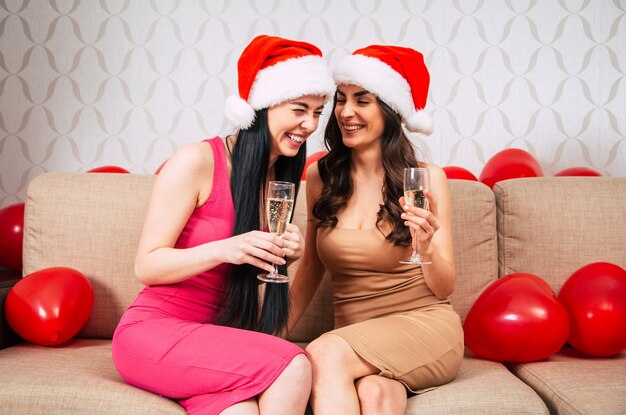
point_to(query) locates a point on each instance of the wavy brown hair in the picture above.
(334, 169)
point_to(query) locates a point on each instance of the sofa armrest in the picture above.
(7, 336)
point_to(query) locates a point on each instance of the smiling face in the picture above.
(359, 115)
(291, 123)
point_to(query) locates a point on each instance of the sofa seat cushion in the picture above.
(571, 383)
(481, 387)
(76, 378)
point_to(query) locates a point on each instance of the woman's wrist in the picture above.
(427, 253)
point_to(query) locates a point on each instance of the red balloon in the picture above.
(456, 172)
(158, 170)
(311, 159)
(48, 307)
(11, 235)
(578, 171)
(516, 319)
(595, 299)
(511, 163)
(108, 169)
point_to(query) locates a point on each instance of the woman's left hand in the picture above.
(294, 242)
(423, 223)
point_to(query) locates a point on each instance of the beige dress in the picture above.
(386, 312)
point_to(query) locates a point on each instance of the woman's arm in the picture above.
(433, 234)
(183, 184)
(311, 270)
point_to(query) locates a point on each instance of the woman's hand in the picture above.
(259, 249)
(294, 242)
(423, 223)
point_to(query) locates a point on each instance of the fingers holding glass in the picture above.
(293, 238)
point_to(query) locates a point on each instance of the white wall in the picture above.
(86, 83)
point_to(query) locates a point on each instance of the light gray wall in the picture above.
(86, 83)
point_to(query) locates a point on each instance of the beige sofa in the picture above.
(548, 226)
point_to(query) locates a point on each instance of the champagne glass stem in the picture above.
(415, 256)
(274, 272)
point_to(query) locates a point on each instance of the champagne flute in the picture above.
(416, 181)
(278, 207)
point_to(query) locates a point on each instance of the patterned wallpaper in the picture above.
(86, 83)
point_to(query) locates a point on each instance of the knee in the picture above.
(299, 371)
(378, 396)
(326, 351)
(370, 392)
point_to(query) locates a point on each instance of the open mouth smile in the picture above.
(352, 127)
(295, 138)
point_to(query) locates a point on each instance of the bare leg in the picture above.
(379, 395)
(290, 392)
(249, 407)
(335, 368)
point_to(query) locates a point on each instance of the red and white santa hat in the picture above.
(397, 75)
(273, 70)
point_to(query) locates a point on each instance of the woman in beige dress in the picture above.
(395, 330)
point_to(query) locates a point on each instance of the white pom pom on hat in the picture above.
(273, 70)
(419, 122)
(239, 112)
(397, 75)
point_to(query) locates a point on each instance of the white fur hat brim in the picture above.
(286, 80)
(383, 81)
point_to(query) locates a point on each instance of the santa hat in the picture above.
(273, 70)
(397, 75)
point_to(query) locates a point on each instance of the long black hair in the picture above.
(250, 161)
(334, 169)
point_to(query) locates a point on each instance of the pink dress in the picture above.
(166, 343)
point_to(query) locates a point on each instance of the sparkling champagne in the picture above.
(278, 214)
(416, 198)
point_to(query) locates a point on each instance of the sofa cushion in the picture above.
(90, 222)
(571, 383)
(475, 241)
(552, 226)
(77, 378)
(318, 318)
(481, 387)
(319, 315)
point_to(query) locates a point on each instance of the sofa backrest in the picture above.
(90, 222)
(475, 256)
(475, 241)
(552, 226)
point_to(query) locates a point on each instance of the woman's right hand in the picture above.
(259, 249)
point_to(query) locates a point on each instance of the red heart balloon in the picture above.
(108, 169)
(516, 319)
(158, 170)
(595, 299)
(511, 163)
(11, 234)
(48, 307)
(578, 171)
(312, 159)
(456, 172)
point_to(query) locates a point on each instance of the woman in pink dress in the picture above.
(195, 333)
